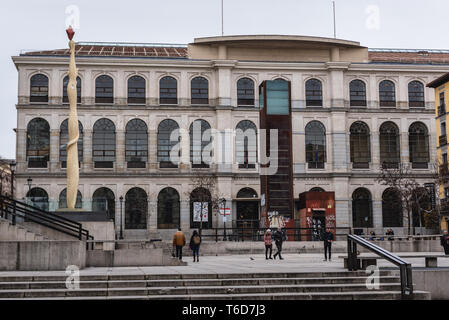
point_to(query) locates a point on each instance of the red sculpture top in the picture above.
(70, 32)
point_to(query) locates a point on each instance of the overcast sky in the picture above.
(40, 24)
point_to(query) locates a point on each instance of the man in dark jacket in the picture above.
(278, 239)
(328, 237)
(445, 242)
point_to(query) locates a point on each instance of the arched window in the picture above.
(200, 208)
(315, 145)
(104, 143)
(136, 208)
(38, 198)
(104, 89)
(168, 209)
(246, 144)
(200, 144)
(136, 90)
(136, 143)
(314, 93)
(103, 200)
(357, 93)
(317, 189)
(63, 199)
(247, 193)
(65, 83)
(168, 90)
(360, 145)
(167, 138)
(38, 143)
(418, 137)
(390, 156)
(39, 88)
(245, 92)
(362, 216)
(387, 94)
(416, 94)
(200, 90)
(64, 139)
(392, 215)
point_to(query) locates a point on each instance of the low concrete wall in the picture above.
(408, 245)
(41, 255)
(130, 258)
(100, 230)
(435, 281)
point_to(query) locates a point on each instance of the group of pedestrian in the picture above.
(278, 236)
(179, 241)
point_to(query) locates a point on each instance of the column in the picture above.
(340, 147)
(185, 214)
(87, 150)
(224, 86)
(120, 163)
(21, 144)
(377, 215)
(54, 150)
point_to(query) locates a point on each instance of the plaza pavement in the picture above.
(237, 264)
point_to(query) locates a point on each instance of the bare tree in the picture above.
(205, 191)
(410, 192)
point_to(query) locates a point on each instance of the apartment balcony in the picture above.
(442, 140)
(442, 110)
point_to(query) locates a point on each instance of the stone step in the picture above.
(366, 295)
(188, 291)
(192, 276)
(192, 282)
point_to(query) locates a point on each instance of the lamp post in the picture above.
(12, 167)
(29, 181)
(222, 202)
(121, 218)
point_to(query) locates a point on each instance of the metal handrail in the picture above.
(16, 209)
(405, 268)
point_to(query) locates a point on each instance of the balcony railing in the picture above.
(442, 140)
(441, 110)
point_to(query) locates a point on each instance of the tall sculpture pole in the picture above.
(72, 145)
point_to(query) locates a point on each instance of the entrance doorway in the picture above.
(318, 224)
(247, 217)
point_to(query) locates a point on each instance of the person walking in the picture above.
(195, 242)
(328, 237)
(445, 242)
(278, 239)
(179, 241)
(267, 238)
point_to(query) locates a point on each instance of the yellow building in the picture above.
(441, 86)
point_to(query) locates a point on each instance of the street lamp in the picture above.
(121, 219)
(12, 167)
(222, 203)
(29, 181)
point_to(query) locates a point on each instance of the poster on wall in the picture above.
(198, 209)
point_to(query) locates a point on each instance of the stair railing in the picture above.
(405, 268)
(16, 209)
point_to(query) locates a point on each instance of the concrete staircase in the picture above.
(255, 286)
(10, 232)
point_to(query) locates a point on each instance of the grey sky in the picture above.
(40, 24)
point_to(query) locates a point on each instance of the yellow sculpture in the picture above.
(72, 145)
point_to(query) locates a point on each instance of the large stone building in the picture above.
(352, 110)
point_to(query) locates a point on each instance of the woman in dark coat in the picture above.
(195, 242)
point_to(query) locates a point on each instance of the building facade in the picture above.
(441, 86)
(353, 109)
